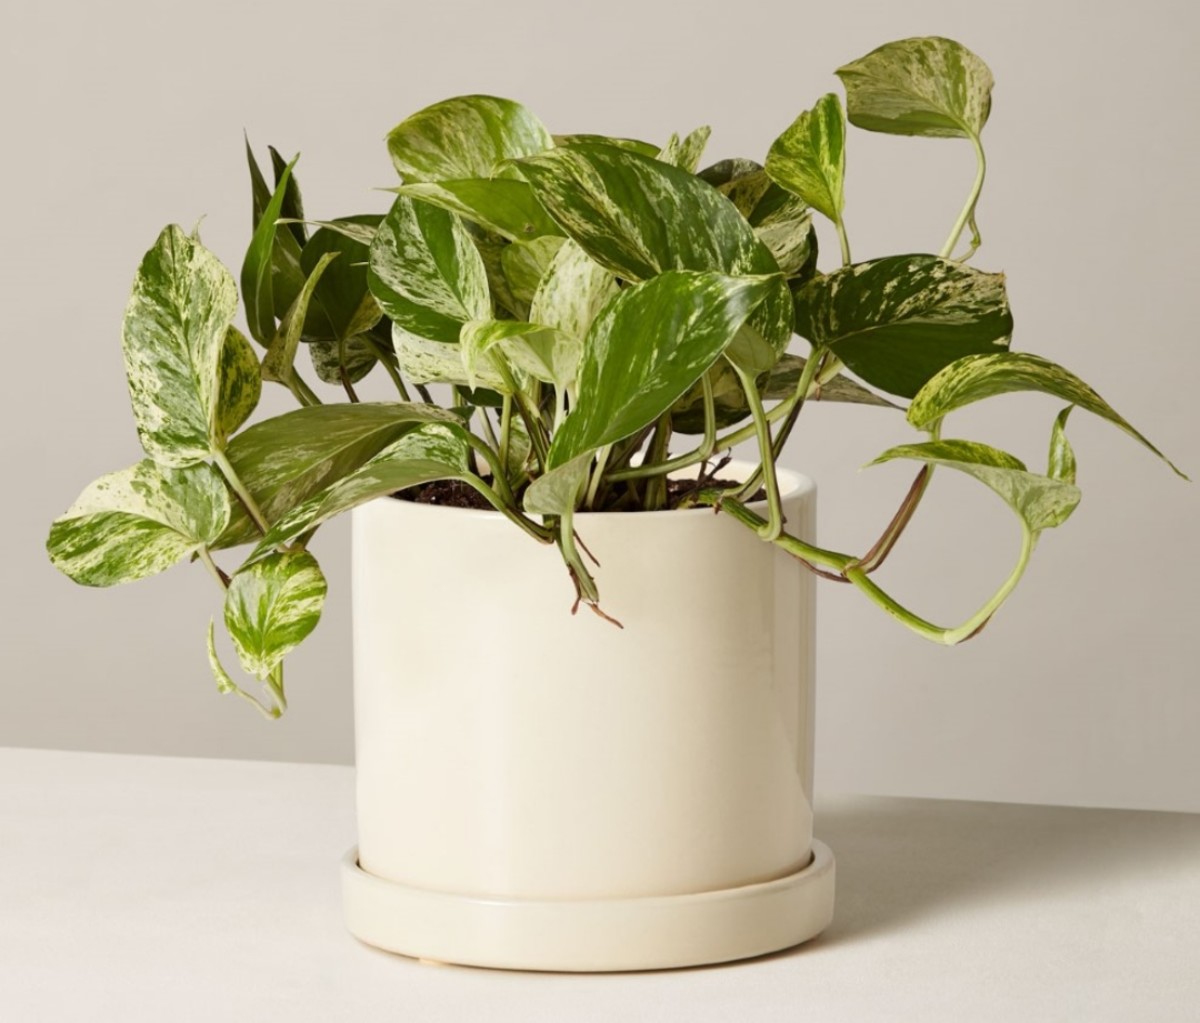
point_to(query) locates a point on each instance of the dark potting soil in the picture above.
(457, 494)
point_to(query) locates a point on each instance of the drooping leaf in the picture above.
(502, 205)
(1061, 463)
(356, 356)
(241, 384)
(1040, 501)
(899, 320)
(646, 348)
(465, 137)
(638, 217)
(426, 273)
(525, 264)
(271, 606)
(265, 257)
(685, 153)
(976, 377)
(279, 362)
(138, 522)
(922, 86)
(434, 451)
(558, 491)
(286, 459)
(809, 159)
(174, 332)
(437, 362)
(781, 220)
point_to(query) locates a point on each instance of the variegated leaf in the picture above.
(279, 362)
(785, 378)
(809, 159)
(465, 137)
(533, 343)
(637, 217)
(355, 356)
(1040, 501)
(138, 522)
(341, 304)
(266, 254)
(426, 273)
(289, 458)
(434, 451)
(571, 294)
(923, 86)
(525, 264)
(241, 384)
(633, 145)
(781, 220)
(976, 377)
(558, 491)
(899, 320)
(271, 606)
(492, 248)
(174, 332)
(1061, 463)
(685, 153)
(438, 362)
(502, 205)
(359, 228)
(646, 348)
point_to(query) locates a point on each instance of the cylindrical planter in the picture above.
(542, 790)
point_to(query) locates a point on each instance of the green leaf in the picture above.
(499, 204)
(809, 159)
(924, 86)
(1061, 464)
(646, 348)
(1040, 501)
(464, 137)
(426, 273)
(524, 264)
(633, 145)
(976, 377)
(785, 378)
(358, 228)
(638, 217)
(279, 362)
(225, 683)
(480, 336)
(270, 608)
(356, 355)
(241, 384)
(138, 522)
(287, 459)
(336, 308)
(431, 452)
(436, 362)
(781, 220)
(572, 292)
(686, 153)
(899, 320)
(259, 266)
(558, 491)
(174, 332)
(292, 210)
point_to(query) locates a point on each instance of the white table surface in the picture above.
(151, 888)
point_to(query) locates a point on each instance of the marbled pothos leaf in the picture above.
(638, 217)
(976, 377)
(1041, 501)
(1061, 463)
(271, 606)
(524, 264)
(685, 153)
(355, 356)
(336, 309)
(584, 139)
(285, 460)
(241, 384)
(137, 522)
(809, 159)
(646, 348)
(434, 451)
(173, 335)
(279, 362)
(286, 276)
(426, 273)
(502, 205)
(897, 321)
(530, 346)
(922, 86)
(268, 261)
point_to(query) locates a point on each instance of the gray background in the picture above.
(122, 117)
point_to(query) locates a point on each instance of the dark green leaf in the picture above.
(263, 264)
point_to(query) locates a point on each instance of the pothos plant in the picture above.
(604, 313)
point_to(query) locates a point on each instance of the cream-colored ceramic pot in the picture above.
(538, 790)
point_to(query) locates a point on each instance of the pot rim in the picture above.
(791, 484)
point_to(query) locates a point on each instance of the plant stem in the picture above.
(968, 211)
(584, 583)
(774, 525)
(213, 569)
(239, 488)
(275, 684)
(597, 475)
(656, 489)
(541, 534)
(302, 392)
(533, 419)
(843, 241)
(506, 407)
(709, 444)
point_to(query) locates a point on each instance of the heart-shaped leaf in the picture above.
(572, 292)
(524, 264)
(436, 362)
(923, 86)
(899, 320)
(435, 451)
(241, 384)
(809, 159)
(174, 332)
(1041, 501)
(479, 337)
(271, 606)
(646, 348)
(426, 273)
(976, 377)
(355, 357)
(558, 491)
(138, 522)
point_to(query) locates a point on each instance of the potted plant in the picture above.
(629, 788)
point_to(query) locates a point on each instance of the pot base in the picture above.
(590, 935)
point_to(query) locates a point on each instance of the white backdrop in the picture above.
(124, 116)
